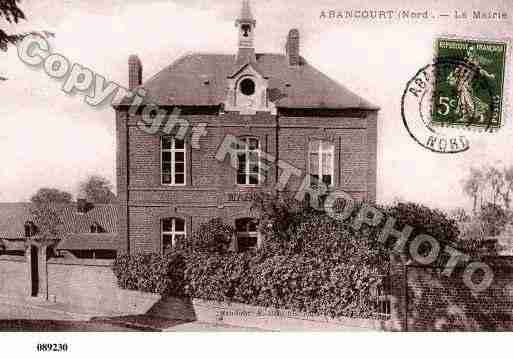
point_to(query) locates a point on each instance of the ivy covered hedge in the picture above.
(151, 273)
(310, 262)
(296, 282)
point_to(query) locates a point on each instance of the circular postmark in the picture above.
(438, 105)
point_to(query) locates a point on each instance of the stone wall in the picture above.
(91, 284)
(14, 276)
(82, 283)
(249, 316)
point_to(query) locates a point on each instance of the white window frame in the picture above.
(173, 233)
(247, 170)
(321, 152)
(173, 152)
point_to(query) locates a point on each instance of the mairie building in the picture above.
(280, 109)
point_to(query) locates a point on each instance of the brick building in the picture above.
(277, 105)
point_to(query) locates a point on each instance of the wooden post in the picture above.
(28, 258)
(43, 273)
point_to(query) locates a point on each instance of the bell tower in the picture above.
(247, 84)
(246, 25)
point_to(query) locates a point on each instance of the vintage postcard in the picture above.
(251, 166)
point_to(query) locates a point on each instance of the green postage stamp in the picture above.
(469, 84)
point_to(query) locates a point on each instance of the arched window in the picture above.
(321, 163)
(248, 158)
(247, 234)
(173, 161)
(172, 231)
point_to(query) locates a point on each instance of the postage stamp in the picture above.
(469, 94)
(417, 108)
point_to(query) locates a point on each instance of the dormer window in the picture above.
(247, 87)
(96, 228)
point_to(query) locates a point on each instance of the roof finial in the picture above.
(245, 13)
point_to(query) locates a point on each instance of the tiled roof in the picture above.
(201, 80)
(14, 215)
(12, 219)
(103, 214)
(89, 241)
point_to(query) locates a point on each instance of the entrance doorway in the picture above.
(34, 270)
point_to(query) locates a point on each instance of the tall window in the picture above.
(173, 231)
(248, 159)
(321, 163)
(172, 161)
(247, 234)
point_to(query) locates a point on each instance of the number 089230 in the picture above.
(52, 347)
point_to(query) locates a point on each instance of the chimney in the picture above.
(83, 206)
(134, 72)
(292, 48)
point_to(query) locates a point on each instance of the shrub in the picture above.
(322, 268)
(424, 220)
(296, 282)
(216, 277)
(310, 261)
(279, 214)
(213, 236)
(151, 273)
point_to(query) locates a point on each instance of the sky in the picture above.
(51, 139)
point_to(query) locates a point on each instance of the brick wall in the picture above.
(144, 201)
(423, 299)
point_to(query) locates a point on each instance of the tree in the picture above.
(46, 208)
(494, 218)
(473, 185)
(48, 220)
(12, 14)
(51, 196)
(97, 189)
(424, 220)
(496, 181)
(508, 186)
(10, 11)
